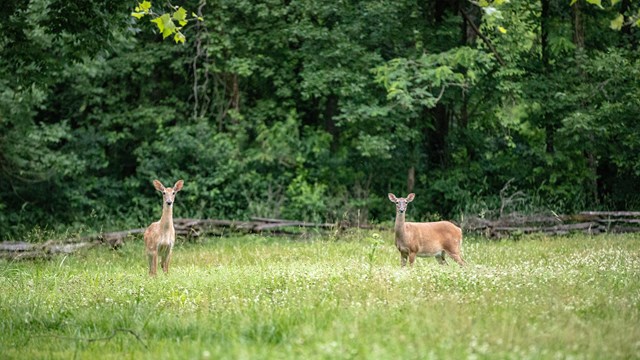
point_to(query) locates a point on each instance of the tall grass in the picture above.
(256, 297)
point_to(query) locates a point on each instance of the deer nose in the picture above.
(169, 202)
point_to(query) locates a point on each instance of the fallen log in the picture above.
(185, 227)
(624, 229)
(590, 228)
(619, 221)
(29, 251)
(198, 227)
(612, 213)
(589, 222)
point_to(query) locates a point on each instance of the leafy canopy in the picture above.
(165, 21)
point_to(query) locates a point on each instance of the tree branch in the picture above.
(484, 38)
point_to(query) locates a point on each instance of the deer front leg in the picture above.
(403, 259)
(412, 258)
(166, 259)
(153, 263)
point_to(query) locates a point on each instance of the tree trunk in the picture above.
(578, 26)
(578, 40)
(330, 111)
(436, 135)
(544, 43)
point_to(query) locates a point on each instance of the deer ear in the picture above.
(158, 185)
(178, 186)
(410, 197)
(393, 198)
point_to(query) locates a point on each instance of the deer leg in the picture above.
(403, 259)
(165, 262)
(412, 258)
(457, 258)
(441, 259)
(153, 263)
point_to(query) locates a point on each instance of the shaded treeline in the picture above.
(315, 110)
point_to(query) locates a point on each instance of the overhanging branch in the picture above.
(481, 35)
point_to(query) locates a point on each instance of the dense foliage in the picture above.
(316, 109)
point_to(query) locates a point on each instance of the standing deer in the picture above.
(425, 239)
(161, 235)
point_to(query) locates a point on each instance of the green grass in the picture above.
(256, 297)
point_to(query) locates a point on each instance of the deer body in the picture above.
(425, 239)
(161, 235)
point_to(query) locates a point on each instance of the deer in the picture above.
(160, 236)
(425, 239)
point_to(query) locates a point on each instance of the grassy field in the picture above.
(254, 297)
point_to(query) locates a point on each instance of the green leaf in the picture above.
(573, 2)
(179, 38)
(168, 27)
(180, 16)
(598, 3)
(145, 6)
(616, 24)
(160, 23)
(165, 25)
(137, 15)
(614, 2)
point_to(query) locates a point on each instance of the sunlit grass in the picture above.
(257, 297)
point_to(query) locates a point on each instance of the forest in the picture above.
(315, 110)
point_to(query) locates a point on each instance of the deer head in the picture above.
(401, 203)
(168, 194)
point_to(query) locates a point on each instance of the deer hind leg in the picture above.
(441, 259)
(457, 258)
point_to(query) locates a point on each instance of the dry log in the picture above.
(612, 213)
(257, 225)
(29, 251)
(618, 221)
(189, 228)
(268, 220)
(17, 246)
(590, 222)
(624, 229)
(69, 248)
(552, 229)
(261, 227)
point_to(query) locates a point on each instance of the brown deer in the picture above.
(425, 239)
(161, 235)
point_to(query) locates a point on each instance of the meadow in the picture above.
(329, 297)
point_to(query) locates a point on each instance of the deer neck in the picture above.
(166, 221)
(399, 227)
